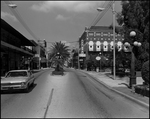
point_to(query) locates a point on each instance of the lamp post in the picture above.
(100, 62)
(132, 70)
(12, 5)
(114, 44)
(78, 59)
(98, 58)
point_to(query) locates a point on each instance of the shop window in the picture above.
(105, 46)
(98, 48)
(91, 46)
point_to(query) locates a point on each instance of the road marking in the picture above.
(49, 102)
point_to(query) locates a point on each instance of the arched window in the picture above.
(91, 46)
(98, 46)
(119, 45)
(111, 45)
(105, 46)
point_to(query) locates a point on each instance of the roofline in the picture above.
(9, 29)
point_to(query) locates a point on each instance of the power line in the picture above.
(103, 13)
(97, 14)
(16, 13)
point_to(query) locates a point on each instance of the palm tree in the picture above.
(59, 53)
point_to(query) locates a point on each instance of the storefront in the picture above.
(12, 52)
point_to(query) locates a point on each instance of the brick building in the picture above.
(98, 40)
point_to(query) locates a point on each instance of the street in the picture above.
(72, 95)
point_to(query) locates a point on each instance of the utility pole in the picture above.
(78, 59)
(39, 51)
(114, 44)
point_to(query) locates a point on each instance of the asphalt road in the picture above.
(72, 95)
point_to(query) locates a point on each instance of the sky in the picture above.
(56, 20)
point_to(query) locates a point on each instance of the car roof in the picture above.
(17, 70)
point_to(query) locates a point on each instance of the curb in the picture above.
(120, 93)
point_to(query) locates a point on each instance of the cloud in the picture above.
(69, 6)
(66, 43)
(60, 17)
(8, 15)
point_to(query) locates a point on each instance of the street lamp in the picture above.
(132, 71)
(114, 57)
(98, 58)
(12, 5)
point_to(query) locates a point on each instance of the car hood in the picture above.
(14, 79)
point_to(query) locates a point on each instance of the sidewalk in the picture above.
(120, 84)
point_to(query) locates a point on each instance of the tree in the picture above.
(135, 16)
(63, 51)
(145, 72)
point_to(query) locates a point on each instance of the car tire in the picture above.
(32, 84)
(27, 89)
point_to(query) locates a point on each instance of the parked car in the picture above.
(17, 79)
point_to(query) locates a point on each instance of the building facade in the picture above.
(13, 48)
(96, 41)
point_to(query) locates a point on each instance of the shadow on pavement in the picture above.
(124, 84)
(18, 91)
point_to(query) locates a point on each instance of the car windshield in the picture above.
(16, 74)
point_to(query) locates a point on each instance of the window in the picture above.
(119, 45)
(111, 45)
(91, 46)
(108, 34)
(91, 34)
(105, 34)
(17, 74)
(98, 34)
(105, 46)
(98, 43)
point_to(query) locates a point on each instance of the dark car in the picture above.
(120, 70)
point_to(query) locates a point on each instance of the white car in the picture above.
(17, 79)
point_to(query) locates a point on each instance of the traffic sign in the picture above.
(98, 58)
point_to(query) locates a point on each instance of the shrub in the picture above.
(145, 72)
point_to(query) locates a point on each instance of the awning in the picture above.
(10, 29)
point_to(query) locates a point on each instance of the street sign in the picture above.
(98, 58)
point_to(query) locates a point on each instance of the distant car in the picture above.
(17, 79)
(120, 70)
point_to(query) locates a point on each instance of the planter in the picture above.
(147, 92)
(142, 90)
(57, 73)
